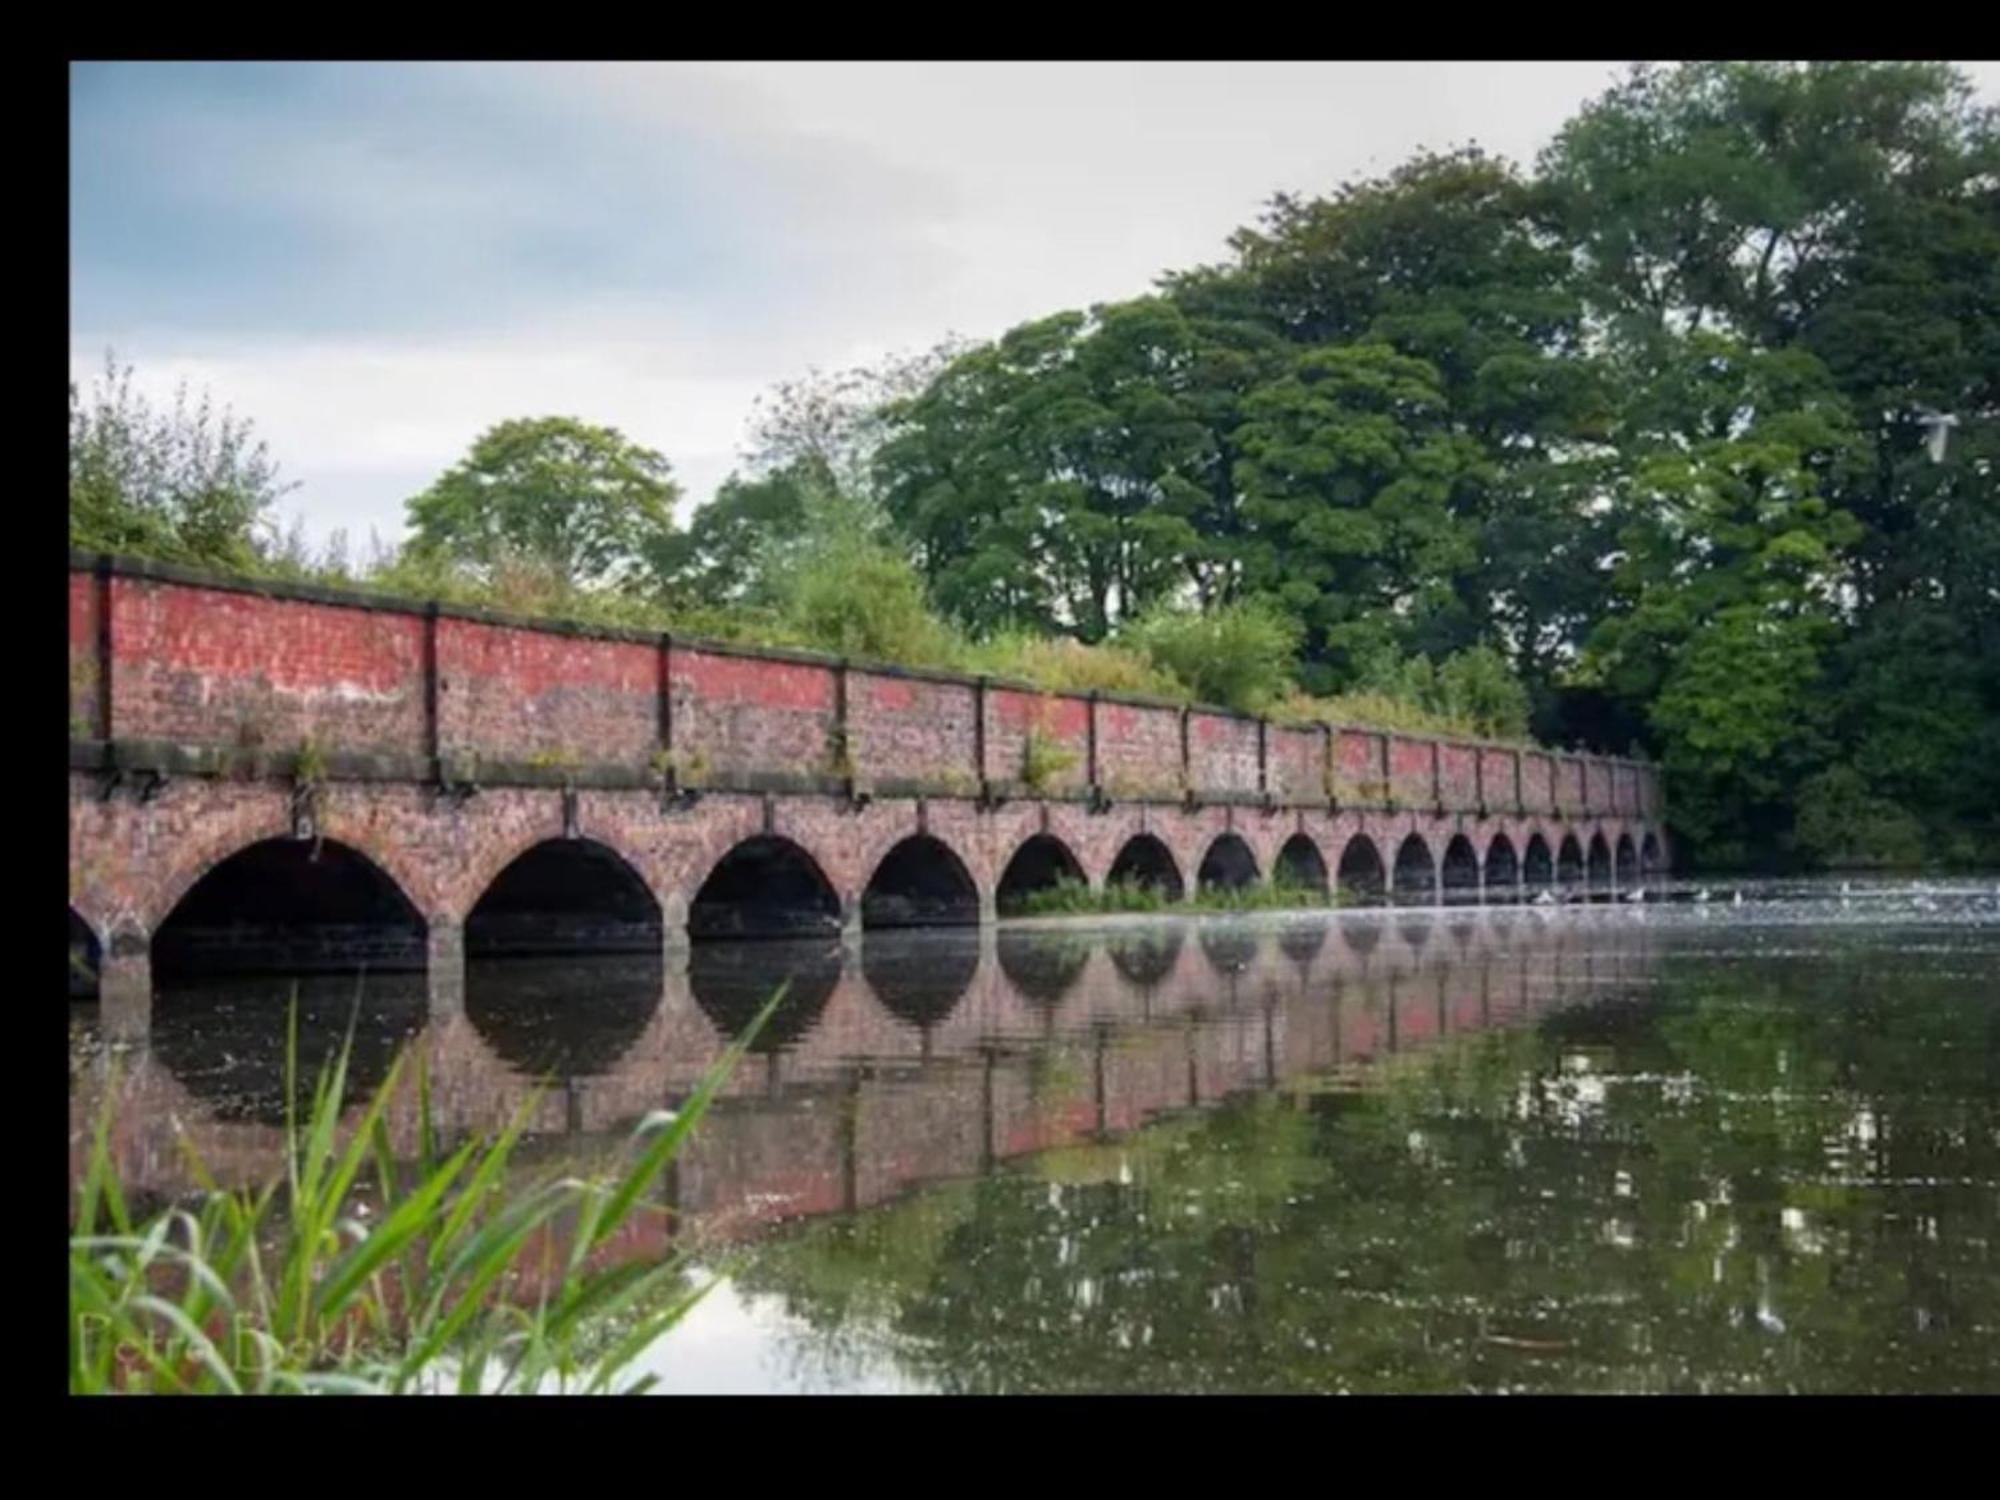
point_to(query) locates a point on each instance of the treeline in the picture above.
(1682, 440)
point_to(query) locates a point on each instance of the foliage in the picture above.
(1240, 655)
(362, 1274)
(584, 503)
(189, 484)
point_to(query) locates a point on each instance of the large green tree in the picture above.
(584, 502)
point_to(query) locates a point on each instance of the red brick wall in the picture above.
(1297, 764)
(1139, 750)
(1222, 753)
(911, 727)
(742, 714)
(1458, 767)
(1499, 774)
(1410, 771)
(1063, 723)
(85, 719)
(1537, 783)
(213, 667)
(1358, 763)
(517, 695)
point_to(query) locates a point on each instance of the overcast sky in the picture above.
(375, 262)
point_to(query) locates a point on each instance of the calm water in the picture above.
(1676, 1147)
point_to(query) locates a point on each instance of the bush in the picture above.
(1062, 665)
(1241, 656)
(1842, 825)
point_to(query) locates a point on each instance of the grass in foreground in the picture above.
(360, 1274)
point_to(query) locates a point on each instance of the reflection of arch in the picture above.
(1145, 861)
(1228, 950)
(224, 1037)
(922, 977)
(1538, 866)
(1363, 937)
(1302, 941)
(921, 882)
(1042, 863)
(731, 982)
(1503, 866)
(1651, 860)
(1361, 870)
(564, 895)
(1461, 870)
(1229, 865)
(563, 1017)
(291, 905)
(1300, 865)
(1600, 863)
(1147, 956)
(1627, 861)
(1569, 863)
(84, 958)
(762, 888)
(1041, 965)
(1416, 871)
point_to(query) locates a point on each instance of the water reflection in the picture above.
(1588, 1148)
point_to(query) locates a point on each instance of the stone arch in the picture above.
(1652, 859)
(920, 882)
(1416, 871)
(1569, 864)
(1041, 862)
(291, 905)
(1626, 861)
(1503, 868)
(1461, 871)
(1228, 865)
(1300, 865)
(1146, 861)
(86, 958)
(565, 896)
(1362, 878)
(765, 886)
(1599, 863)
(1538, 864)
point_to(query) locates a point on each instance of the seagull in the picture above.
(1737, 899)
(1637, 893)
(1702, 894)
(1937, 427)
(1545, 899)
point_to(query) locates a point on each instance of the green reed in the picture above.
(457, 1280)
(1070, 897)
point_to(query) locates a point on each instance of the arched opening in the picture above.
(1147, 956)
(1041, 865)
(766, 887)
(1628, 861)
(920, 883)
(1569, 864)
(1361, 877)
(1416, 872)
(1145, 863)
(1461, 872)
(732, 982)
(1041, 965)
(564, 896)
(1600, 865)
(294, 906)
(84, 959)
(564, 1017)
(1503, 869)
(1301, 867)
(1652, 860)
(920, 980)
(1538, 866)
(1228, 866)
(224, 1037)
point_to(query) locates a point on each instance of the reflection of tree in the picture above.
(1774, 1175)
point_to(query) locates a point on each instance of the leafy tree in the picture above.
(1239, 655)
(584, 502)
(190, 484)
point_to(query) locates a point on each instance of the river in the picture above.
(1680, 1146)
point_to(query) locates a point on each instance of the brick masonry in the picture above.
(192, 698)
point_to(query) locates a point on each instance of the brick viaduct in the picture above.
(275, 772)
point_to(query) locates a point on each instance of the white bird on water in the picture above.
(1701, 895)
(1545, 899)
(1737, 899)
(1937, 427)
(1637, 893)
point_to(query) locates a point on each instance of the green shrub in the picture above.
(1241, 656)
